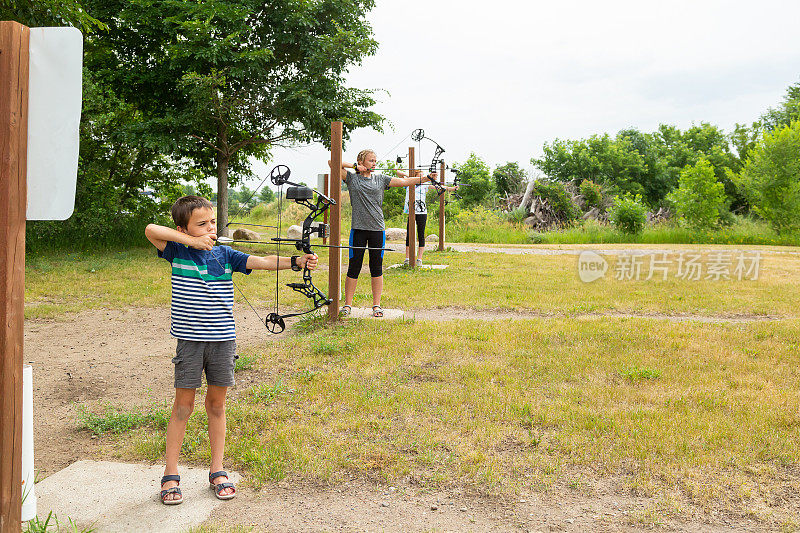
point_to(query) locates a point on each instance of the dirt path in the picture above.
(603, 250)
(122, 357)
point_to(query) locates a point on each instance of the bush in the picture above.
(559, 198)
(699, 199)
(592, 194)
(628, 214)
(770, 179)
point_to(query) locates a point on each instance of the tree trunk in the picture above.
(528, 192)
(223, 158)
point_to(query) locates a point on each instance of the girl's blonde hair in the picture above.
(362, 155)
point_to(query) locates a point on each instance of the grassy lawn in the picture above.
(65, 283)
(686, 413)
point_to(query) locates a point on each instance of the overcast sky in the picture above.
(500, 78)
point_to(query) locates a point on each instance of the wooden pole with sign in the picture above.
(334, 254)
(325, 215)
(441, 208)
(412, 214)
(14, 39)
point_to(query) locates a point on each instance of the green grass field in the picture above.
(700, 417)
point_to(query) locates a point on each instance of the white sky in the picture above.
(500, 78)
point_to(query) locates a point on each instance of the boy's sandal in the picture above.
(219, 487)
(377, 311)
(173, 490)
(345, 310)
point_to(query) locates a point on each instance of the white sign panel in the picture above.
(54, 115)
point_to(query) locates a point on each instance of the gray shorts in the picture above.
(217, 358)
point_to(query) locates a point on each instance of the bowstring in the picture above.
(238, 211)
(394, 147)
(278, 246)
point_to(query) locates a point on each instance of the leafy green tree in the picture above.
(700, 199)
(786, 112)
(266, 195)
(476, 178)
(703, 141)
(558, 197)
(592, 194)
(39, 13)
(509, 179)
(744, 138)
(625, 164)
(222, 81)
(771, 178)
(629, 214)
(644, 164)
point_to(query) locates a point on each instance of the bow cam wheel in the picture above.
(280, 174)
(274, 323)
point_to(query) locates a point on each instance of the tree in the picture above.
(629, 214)
(770, 179)
(222, 81)
(40, 13)
(559, 198)
(509, 178)
(476, 179)
(700, 199)
(592, 194)
(788, 111)
(266, 195)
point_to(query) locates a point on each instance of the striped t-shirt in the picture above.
(202, 291)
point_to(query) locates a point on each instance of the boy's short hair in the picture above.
(182, 209)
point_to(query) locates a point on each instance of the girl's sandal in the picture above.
(172, 490)
(219, 487)
(377, 311)
(345, 310)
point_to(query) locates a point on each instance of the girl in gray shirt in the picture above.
(368, 230)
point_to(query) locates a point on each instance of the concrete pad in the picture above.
(423, 266)
(366, 312)
(122, 497)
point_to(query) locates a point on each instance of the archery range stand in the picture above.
(109, 496)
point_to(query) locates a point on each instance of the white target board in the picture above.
(54, 115)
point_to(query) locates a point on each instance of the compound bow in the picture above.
(304, 196)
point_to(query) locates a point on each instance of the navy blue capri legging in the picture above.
(372, 239)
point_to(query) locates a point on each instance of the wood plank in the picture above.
(14, 41)
(334, 254)
(441, 208)
(412, 211)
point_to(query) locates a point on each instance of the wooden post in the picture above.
(441, 208)
(325, 215)
(334, 254)
(412, 211)
(14, 39)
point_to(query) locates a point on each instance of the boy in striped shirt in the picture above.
(202, 321)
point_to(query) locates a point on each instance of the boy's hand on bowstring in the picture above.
(308, 261)
(203, 242)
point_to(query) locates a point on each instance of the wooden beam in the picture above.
(334, 254)
(412, 212)
(441, 208)
(325, 215)
(14, 40)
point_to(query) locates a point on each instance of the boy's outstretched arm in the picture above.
(160, 235)
(273, 262)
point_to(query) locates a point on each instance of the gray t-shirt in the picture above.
(366, 197)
